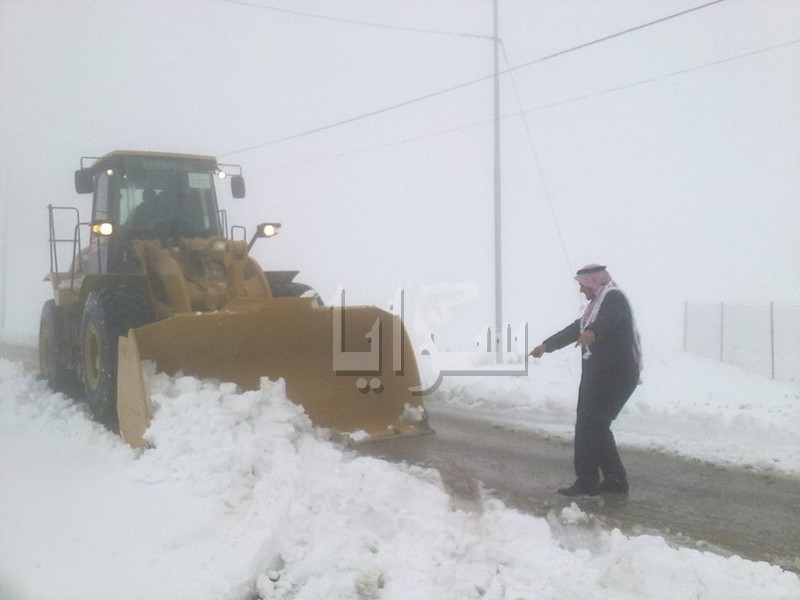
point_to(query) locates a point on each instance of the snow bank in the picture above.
(240, 498)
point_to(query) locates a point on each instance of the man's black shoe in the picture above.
(614, 486)
(576, 491)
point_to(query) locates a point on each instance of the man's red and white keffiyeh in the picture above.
(599, 282)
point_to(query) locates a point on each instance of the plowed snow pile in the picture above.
(240, 498)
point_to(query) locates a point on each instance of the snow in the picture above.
(239, 497)
(686, 405)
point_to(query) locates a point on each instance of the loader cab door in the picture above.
(95, 258)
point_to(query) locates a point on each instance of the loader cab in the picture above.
(152, 196)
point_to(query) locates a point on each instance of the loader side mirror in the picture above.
(84, 181)
(237, 186)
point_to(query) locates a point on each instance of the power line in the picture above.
(659, 77)
(613, 35)
(523, 112)
(461, 85)
(354, 119)
(539, 170)
(354, 21)
(381, 146)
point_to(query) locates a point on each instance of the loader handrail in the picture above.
(55, 241)
(222, 219)
(236, 228)
(75, 241)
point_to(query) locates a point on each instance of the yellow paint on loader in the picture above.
(287, 338)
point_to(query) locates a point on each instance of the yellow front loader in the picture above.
(158, 281)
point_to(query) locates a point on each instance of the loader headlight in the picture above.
(269, 229)
(103, 228)
(221, 174)
(265, 230)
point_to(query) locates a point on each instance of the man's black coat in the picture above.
(610, 372)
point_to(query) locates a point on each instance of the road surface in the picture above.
(727, 510)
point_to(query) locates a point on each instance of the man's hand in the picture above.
(587, 338)
(538, 351)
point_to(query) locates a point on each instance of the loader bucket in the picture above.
(353, 369)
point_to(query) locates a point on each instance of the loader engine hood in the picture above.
(199, 275)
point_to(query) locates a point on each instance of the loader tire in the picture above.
(108, 314)
(52, 362)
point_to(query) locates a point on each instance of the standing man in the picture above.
(610, 372)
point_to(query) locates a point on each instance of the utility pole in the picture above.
(498, 239)
(5, 210)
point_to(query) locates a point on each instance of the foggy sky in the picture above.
(683, 178)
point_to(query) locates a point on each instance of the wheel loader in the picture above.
(155, 276)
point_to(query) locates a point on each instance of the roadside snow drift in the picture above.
(240, 498)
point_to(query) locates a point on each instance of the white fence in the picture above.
(764, 339)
